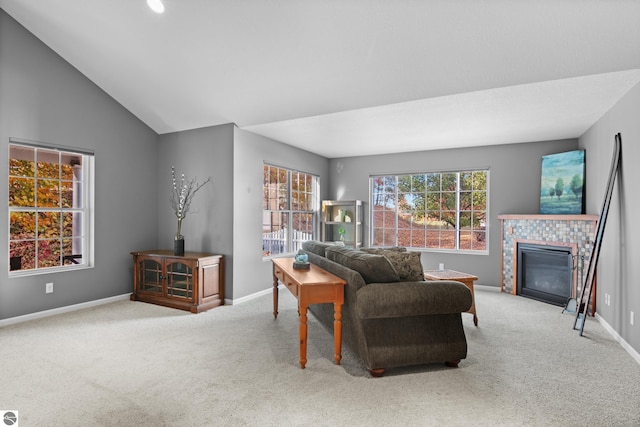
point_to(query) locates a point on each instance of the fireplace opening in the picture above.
(545, 273)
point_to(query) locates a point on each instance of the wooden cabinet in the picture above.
(193, 281)
(341, 222)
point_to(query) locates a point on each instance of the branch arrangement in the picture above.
(182, 194)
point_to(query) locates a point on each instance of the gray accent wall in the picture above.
(514, 188)
(618, 267)
(253, 273)
(199, 154)
(43, 98)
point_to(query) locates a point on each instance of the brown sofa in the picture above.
(392, 317)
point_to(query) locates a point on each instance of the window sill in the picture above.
(52, 270)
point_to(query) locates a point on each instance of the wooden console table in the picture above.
(312, 286)
(465, 278)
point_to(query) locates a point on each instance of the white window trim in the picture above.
(428, 249)
(315, 209)
(88, 194)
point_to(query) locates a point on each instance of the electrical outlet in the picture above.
(631, 318)
(48, 288)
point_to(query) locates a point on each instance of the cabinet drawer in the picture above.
(291, 286)
(285, 280)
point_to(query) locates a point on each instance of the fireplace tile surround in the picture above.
(574, 231)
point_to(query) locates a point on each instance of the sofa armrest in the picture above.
(402, 299)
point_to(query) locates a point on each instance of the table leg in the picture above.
(302, 310)
(472, 310)
(337, 331)
(275, 296)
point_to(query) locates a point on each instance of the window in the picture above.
(49, 208)
(442, 210)
(289, 209)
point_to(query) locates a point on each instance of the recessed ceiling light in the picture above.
(156, 5)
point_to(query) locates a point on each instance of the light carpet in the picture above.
(137, 364)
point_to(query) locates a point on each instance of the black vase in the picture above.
(178, 246)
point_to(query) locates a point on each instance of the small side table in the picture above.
(465, 278)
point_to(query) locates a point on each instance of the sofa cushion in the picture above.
(380, 251)
(315, 247)
(372, 268)
(385, 300)
(407, 264)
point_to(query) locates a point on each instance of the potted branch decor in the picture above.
(181, 196)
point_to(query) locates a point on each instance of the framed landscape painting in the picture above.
(562, 183)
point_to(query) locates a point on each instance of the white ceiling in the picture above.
(352, 77)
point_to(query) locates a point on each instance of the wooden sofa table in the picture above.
(312, 286)
(465, 278)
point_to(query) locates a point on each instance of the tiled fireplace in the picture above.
(575, 232)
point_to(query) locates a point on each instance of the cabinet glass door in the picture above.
(150, 279)
(179, 280)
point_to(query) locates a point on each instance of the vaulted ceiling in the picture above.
(352, 77)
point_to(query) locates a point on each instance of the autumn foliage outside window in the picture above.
(47, 208)
(289, 208)
(442, 210)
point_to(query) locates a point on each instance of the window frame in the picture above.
(291, 245)
(482, 232)
(86, 233)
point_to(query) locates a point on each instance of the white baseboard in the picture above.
(60, 310)
(252, 296)
(617, 337)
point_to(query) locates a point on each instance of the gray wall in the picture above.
(253, 274)
(514, 188)
(43, 98)
(618, 267)
(199, 154)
